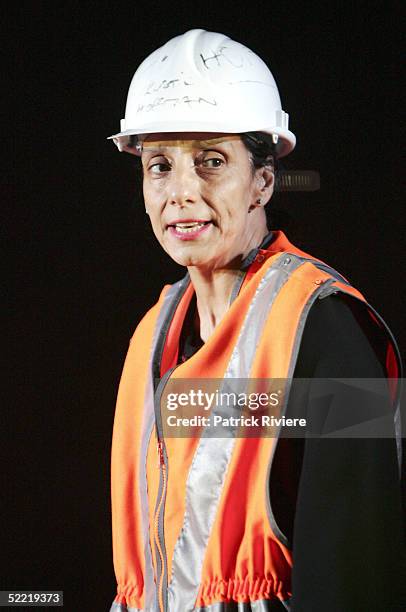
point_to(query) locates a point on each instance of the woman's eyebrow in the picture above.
(153, 150)
(213, 142)
(192, 144)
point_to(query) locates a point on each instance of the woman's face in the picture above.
(201, 195)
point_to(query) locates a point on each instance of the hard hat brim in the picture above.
(286, 141)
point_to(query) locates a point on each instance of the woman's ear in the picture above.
(265, 182)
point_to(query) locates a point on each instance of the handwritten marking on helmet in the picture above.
(154, 86)
(224, 53)
(174, 102)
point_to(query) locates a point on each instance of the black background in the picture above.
(84, 265)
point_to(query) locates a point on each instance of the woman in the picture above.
(239, 522)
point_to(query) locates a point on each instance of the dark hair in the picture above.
(262, 153)
(262, 149)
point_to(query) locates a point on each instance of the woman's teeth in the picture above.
(186, 228)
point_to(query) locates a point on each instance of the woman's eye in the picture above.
(212, 162)
(159, 168)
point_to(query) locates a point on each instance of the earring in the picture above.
(259, 202)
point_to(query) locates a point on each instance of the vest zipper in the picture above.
(159, 536)
(158, 532)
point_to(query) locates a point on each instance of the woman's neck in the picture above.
(213, 292)
(213, 286)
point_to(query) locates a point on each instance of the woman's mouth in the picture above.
(188, 230)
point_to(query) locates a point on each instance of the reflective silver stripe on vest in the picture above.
(320, 291)
(147, 427)
(211, 460)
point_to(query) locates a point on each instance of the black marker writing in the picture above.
(225, 55)
(174, 102)
(155, 86)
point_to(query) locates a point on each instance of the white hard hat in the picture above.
(204, 82)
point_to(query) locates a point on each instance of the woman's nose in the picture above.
(183, 187)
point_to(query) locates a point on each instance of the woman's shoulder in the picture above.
(341, 339)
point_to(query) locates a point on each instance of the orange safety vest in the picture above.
(192, 524)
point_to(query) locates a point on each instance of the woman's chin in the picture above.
(190, 255)
(188, 260)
